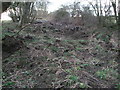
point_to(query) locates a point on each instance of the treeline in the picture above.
(77, 13)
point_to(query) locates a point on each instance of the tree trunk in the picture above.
(118, 22)
(25, 16)
(119, 15)
(115, 10)
(0, 9)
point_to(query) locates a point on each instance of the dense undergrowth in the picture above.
(54, 59)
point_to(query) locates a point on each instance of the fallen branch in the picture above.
(22, 29)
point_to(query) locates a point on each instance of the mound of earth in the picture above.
(10, 44)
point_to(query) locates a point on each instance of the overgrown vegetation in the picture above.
(65, 52)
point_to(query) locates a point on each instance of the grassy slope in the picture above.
(61, 62)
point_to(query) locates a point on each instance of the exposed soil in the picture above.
(10, 44)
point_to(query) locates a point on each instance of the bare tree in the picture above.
(14, 12)
(42, 5)
(119, 14)
(106, 9)
(97, 9)
(103, 11)
(27, 13)
(22, 12)
(88, 17)
(42, 8)
(75, 9)
(114, 5)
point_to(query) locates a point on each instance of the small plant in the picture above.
(101, 74)
(54, 49)
(84, 65)
(78, 68)
(97, 47)
(79, 49)
(82, 85)
(99, 36)
(118, 86)
(107, 73)
(103, 37)
(83, 41)
(73, 78)
(9, 84)
(68, 70)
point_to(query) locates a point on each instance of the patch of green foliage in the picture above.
(7, 27)
(84, 65)
(9, 83)
(77, 68)
(101, 74)
(83, 41)
(107, 73)
(103, 36)
(54, 48)
(118, 86)
(99, 48)
(73, 78)
(79, 49)
(68, 71)
(82, 85)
